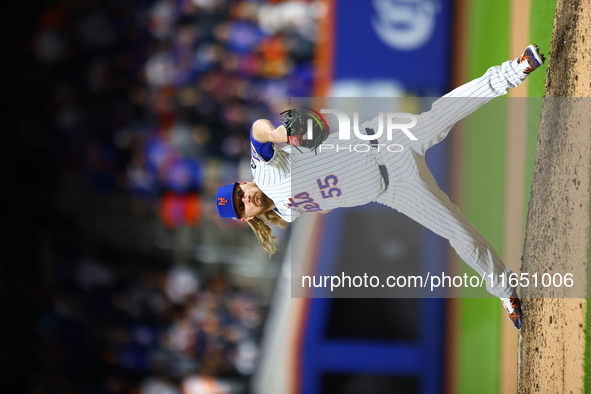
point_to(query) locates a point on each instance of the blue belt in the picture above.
(383, 169)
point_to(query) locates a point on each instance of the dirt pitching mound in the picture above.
(552, 341)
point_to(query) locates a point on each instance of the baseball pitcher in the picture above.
(319, 177)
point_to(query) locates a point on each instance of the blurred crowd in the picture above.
(112, 323)
(153, 99)
(157, 96)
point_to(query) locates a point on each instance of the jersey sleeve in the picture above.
(261, 150)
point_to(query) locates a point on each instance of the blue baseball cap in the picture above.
(224, 201)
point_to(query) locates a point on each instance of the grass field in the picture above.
(484, 177)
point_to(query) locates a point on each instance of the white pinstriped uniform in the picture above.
(411, 189)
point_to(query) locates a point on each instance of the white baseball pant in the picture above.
(413, 190)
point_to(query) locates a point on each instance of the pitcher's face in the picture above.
(250, 201)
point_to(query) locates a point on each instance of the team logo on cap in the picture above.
(222, 201)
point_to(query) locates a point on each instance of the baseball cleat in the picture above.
(513, 307)
(531, 59)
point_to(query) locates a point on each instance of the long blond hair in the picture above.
(260, 226)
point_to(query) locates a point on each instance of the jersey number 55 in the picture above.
(330, 181)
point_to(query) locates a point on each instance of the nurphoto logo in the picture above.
(392, 123)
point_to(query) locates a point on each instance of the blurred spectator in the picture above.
(146, 326)
(152, 98)
(194, 73)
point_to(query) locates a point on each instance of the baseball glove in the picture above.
(296, 124)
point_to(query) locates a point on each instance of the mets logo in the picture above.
(222, 201)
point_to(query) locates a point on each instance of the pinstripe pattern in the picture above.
(357, 180)
(412, 189)
(274, 179)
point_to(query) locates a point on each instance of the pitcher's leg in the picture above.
(433, 126)
(423, 201)
(496, 81)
